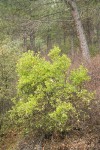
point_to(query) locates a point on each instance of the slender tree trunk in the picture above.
(25, 41)
(32, 41)
(49, 44)
(72, 45)
(80, 31)
(64, 38)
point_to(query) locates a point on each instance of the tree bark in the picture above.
(25, 42)
(49, 44)
(32, 41)
(80, 30)
(72, 46)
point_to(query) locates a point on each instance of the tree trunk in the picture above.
(79, 28)
(49, 44)
(25, 42)
(32, 41)
(72, 46)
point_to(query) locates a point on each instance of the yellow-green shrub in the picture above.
(50, 95)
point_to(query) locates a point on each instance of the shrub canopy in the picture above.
(52, 98)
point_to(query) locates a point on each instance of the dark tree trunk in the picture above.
(32, 41)
(25, 41)
(49, 44)
(64, 38)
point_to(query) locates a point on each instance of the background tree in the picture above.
(8, 59)
(25, 19)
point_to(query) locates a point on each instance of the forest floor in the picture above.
(76, 140)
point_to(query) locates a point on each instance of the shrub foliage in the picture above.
(52, 97)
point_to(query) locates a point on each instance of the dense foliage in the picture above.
(39, 24)
(8, 77)
(52, 98)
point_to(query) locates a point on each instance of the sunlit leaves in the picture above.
(49, 92)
